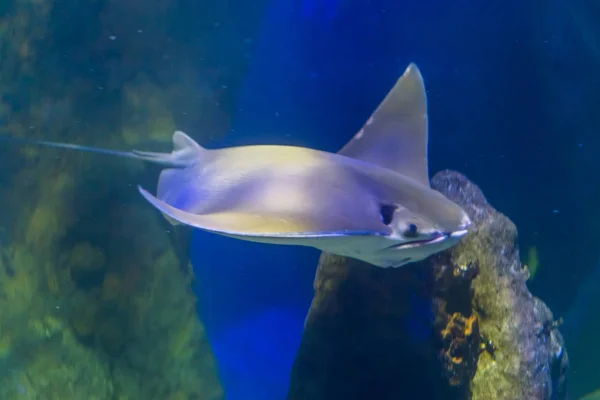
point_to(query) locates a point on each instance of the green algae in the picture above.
(95, 301)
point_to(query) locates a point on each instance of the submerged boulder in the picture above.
(460, 325)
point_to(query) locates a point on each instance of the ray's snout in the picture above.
(463, 227)
(466, 221)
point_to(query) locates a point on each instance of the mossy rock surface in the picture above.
(95, 290)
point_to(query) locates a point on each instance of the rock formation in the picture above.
(459, 325)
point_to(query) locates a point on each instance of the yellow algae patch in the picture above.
(53, 281)
(43, 224)
(532, 261)
(83, 321)
(143, 94)
(6, 342)
(179, 395)
(45, 327)
(22, 287)
(181, 343)
(595, 395)
(60, 184)
(84, 256)
(111, 287)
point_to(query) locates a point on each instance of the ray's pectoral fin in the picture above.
(239, 223)
(186, 151)
(174, 215)
(395, 136)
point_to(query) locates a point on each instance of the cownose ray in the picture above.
(370, 201)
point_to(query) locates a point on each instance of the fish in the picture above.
(370, 201)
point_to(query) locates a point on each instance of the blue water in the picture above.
(315, 75)
(317, 70)
(253, 299)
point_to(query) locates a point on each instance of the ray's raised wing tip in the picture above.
(412, 69)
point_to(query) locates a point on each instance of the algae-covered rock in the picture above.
(95, 295)
(459, 325)
(527, 359)
(57, 368)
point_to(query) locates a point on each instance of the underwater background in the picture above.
(100, 298)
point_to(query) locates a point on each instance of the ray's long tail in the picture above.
(185, 150)
(68, 146)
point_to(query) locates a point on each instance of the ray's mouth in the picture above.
(458, 234)
(436, 239)
(419, 243)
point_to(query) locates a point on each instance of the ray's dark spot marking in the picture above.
(387, 213)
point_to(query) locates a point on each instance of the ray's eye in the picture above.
(412, 231)
(387, 213)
